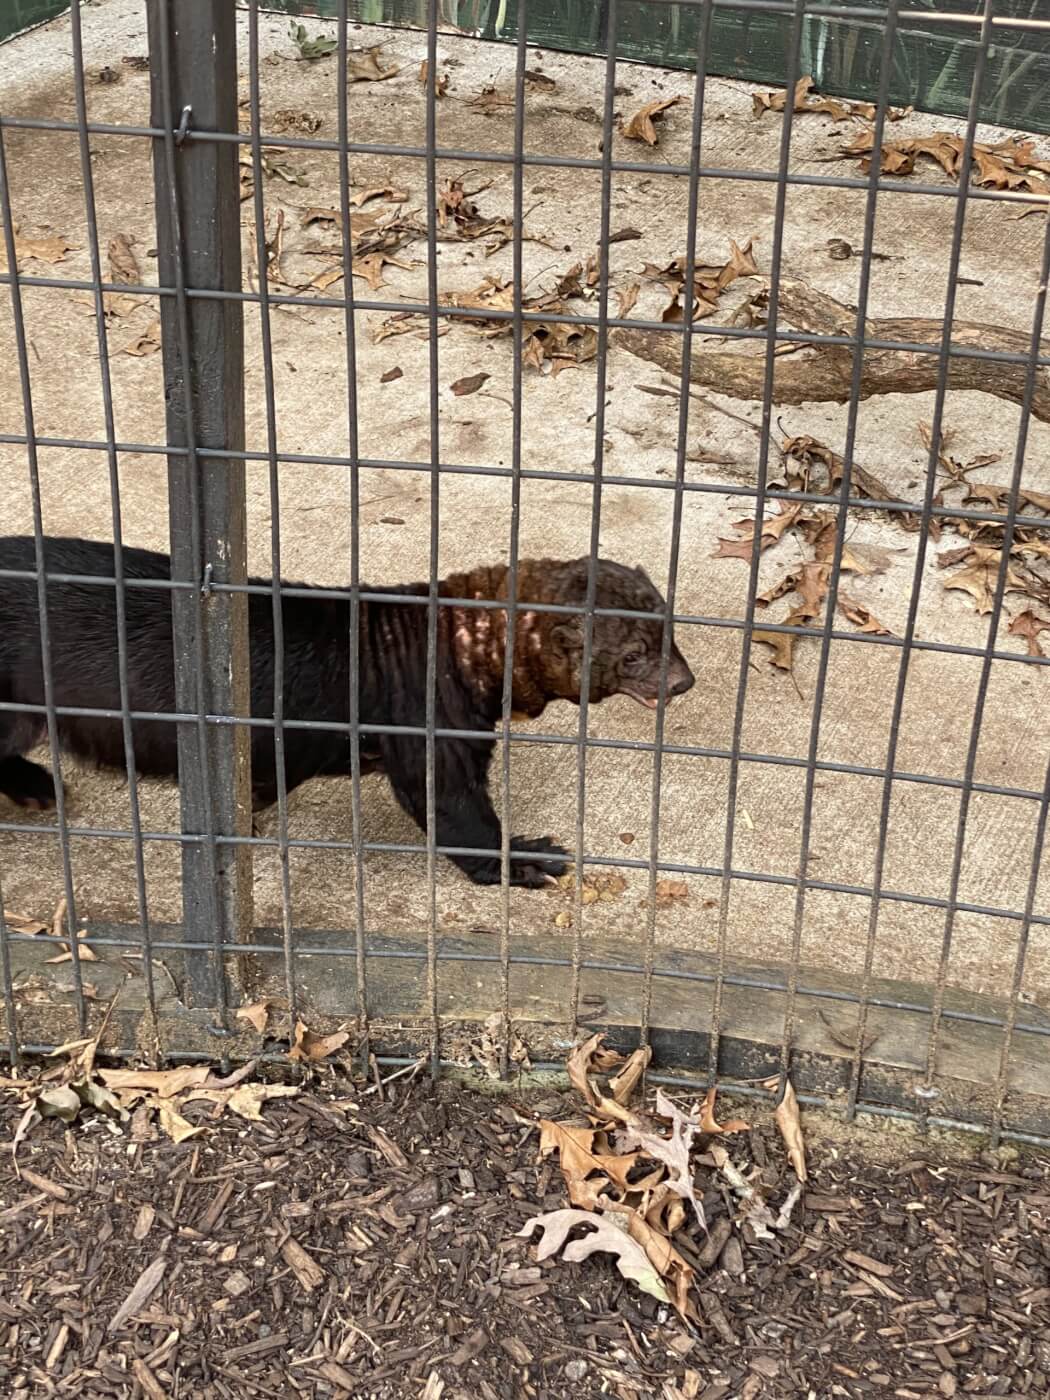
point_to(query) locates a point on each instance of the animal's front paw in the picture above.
(534, 874)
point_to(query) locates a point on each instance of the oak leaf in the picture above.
(640, 127)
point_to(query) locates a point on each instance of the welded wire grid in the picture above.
(176, 299)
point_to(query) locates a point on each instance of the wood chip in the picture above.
(870, 1265)
(306, 1270)
(146, 1285)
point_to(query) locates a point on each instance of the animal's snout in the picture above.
(679, 677)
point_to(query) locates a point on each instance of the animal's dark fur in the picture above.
(392, 669)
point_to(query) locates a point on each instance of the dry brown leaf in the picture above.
(363, 66)
(786, 1117)
(305, 1268)
(469, 384)
(640, 127)
(318, 215)
(710, 280)
(624, 1083)
(371, 265)
(123, 265)
(865, 559)
(580, 1065)
(860, 615)
(326, 279)
(1028, 625)
(172, 1121)
(673, 1152)
(23, 923)
(389, 193)
(783, 644)
(806, 100)
(663, 1256)
(146, 343)
(708, 1122)
(307, 1045)
(604, 1236)
(579, 1159)
(258, 1013)
(773, 528)
(626, 298)
(165, 1083)
(391, 374)
(440, 79)
(490, 100)
(50, 250)
(980, 579)
(1006, 165)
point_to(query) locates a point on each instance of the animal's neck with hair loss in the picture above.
(477, 637)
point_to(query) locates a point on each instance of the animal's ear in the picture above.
(567, 636)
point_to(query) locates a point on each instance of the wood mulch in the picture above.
(346, 1246)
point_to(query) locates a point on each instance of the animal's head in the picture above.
(625, 651)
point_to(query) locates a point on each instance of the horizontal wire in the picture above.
(711, 488)
(539, 858)
(562, 318)
(753, 982)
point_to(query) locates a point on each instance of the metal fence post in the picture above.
(193, 61)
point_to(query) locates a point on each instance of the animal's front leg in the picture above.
(464, 811)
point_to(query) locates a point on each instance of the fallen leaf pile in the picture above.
(458, 217)
(488, 1049)
(376, 235)
(548, 346)
(809, 465)
(135, 1096)
(270, 167)
(806, 100)
(1005, 165)
(635, 1179)
(710, 280)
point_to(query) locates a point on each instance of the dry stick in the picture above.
(824, 375)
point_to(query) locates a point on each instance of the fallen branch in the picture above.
(823, 373)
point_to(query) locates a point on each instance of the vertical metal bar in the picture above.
(435, 526)
(841, 521)
(794, 45)
(198, 244)
(521, 58)
(608, 111)
(995, 1127)
(25, 382)
(265, 328)
(926, 516)
(350, 334)
(102, 340)
(699, 94)
(10, 1008)
(1031, 379)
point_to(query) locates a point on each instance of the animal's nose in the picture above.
(682, 679)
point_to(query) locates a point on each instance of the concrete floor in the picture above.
(1000, 252)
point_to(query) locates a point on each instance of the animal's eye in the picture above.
(633, 658)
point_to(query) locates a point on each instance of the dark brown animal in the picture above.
(391, 674)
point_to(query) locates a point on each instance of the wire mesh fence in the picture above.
(242, 687)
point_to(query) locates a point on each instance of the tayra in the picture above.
(392, 674)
